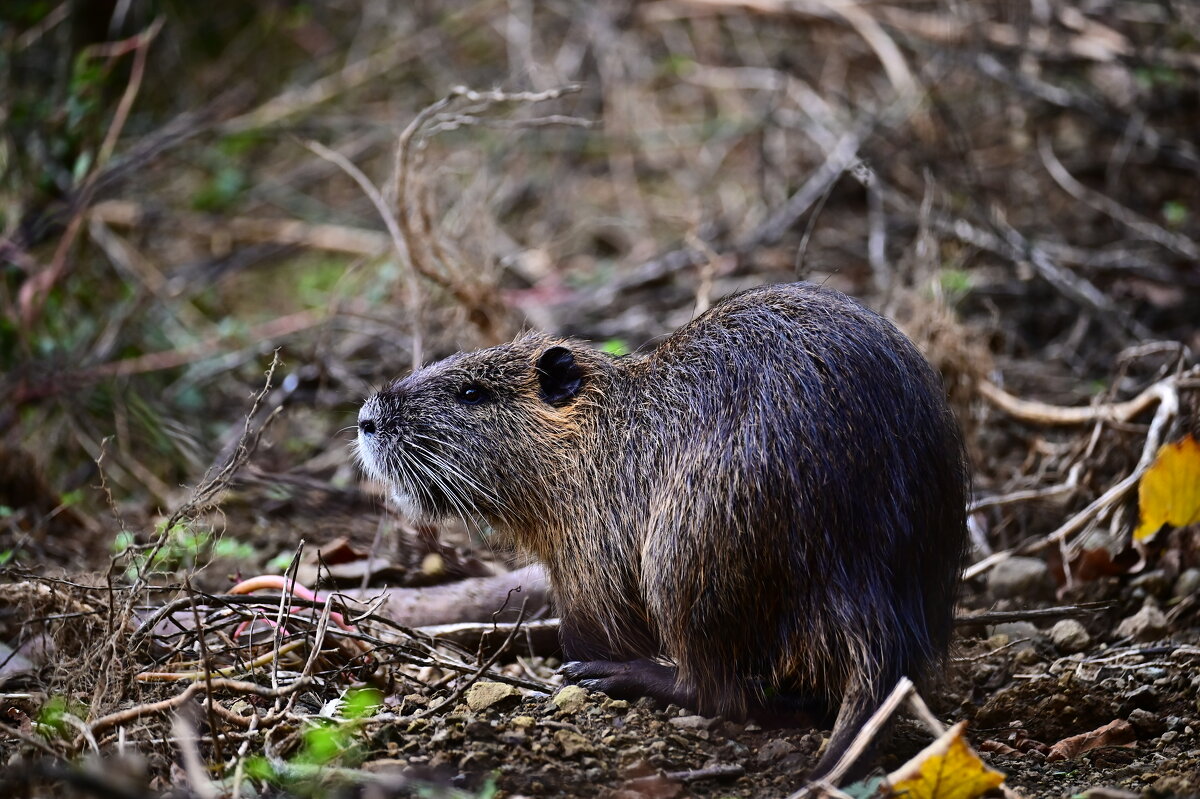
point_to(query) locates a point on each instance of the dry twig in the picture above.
(1165, 393)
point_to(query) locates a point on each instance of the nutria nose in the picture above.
(366, 426)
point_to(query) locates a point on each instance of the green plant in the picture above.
(1175, 212)
(326, 742)
(615, 346)
(183, 546)
(52, 718)
(954, 283)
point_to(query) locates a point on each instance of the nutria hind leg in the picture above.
(630, 679)
(857, 707)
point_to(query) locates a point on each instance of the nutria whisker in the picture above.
(470, 484)
(462, 505)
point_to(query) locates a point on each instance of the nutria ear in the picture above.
(559, 376)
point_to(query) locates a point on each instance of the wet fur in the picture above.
(772, 500)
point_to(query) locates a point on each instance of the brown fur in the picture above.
(772, 500)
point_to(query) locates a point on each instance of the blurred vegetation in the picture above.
(152, 153)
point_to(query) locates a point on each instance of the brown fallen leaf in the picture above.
(1116, 733)
(998, 748)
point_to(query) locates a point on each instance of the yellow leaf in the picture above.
(1169, 491)
(946, 769)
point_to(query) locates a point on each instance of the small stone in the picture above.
(1153, 582)
(513, 738)
(616, 705)
(485, 694)
(1147, 724)
(1168, 737)
(428, 674)
(571, 699)
(1147, 624)
(629, 758)
(1012, 631)
(1069, 636)
(572, 743)
(432, 565)
(773, 750)
(522, 722)
(1143, 696)
(1020, 578)
(1186, 584)
(693, 722)
(1027, 656)
(1173, 785)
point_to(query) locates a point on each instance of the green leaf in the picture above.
(232, 548)
(50, 720)
(259, 768)
(362, 703)
(1176, 213)
(615, 346)
(323, 745)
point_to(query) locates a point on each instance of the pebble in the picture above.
(485, 694)
(1154, 582)
(1020, 578)
(1186, 584)
(1151, 673)
(572, 743)
(1148, 624)
(571, 699)
(692, 722)
(1146, 723)
(1024, 631)
(1069, 636)
(773, 750)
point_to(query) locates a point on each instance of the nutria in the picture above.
(772, 500)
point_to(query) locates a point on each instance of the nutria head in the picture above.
(486, 434)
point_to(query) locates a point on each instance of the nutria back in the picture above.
(773, 499)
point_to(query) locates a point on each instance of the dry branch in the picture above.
(327, 237)
(1165, 393)
(421, 245)
(34, 291)
(1135, 222)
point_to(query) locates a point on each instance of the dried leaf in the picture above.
(1115, 733)
(946, 769)
(999, 748)
(1169, 491)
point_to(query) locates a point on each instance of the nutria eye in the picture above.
(473, 394)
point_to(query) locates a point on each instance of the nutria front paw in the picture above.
(576, 671)
(626, 679)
